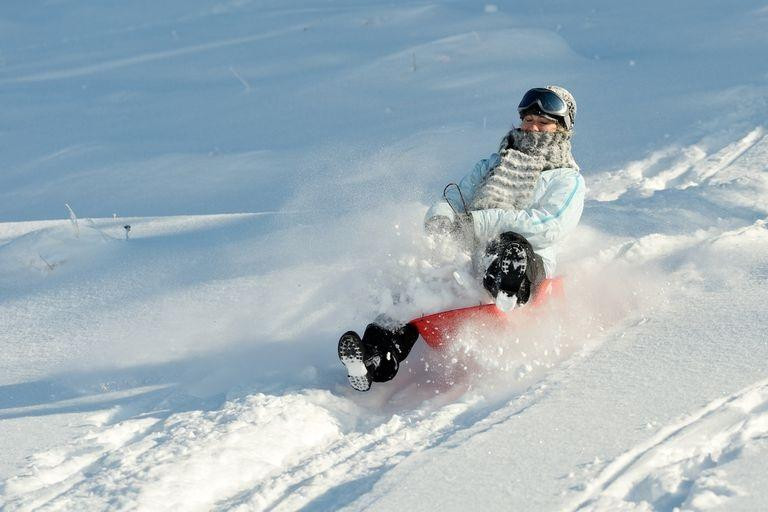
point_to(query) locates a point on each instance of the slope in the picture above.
(191, 366)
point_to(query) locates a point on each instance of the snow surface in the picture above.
(274, 160)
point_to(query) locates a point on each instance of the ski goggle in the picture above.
(548, 102)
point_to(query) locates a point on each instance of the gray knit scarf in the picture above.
(524, 155)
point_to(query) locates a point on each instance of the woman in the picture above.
(514, 207)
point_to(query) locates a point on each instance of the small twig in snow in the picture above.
(242, 80)
(73, 220)
(50, 266)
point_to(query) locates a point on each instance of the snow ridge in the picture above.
(262, 448)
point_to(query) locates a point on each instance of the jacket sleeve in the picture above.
(468, 185)
(545, 222)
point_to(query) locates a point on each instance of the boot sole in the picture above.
(351, 356)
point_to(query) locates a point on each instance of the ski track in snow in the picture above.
(141, 59)
(676, 168)
(678, 466)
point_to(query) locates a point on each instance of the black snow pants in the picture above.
(384, 349)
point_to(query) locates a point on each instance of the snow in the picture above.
(274, 161)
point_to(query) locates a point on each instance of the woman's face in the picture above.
(534, 123)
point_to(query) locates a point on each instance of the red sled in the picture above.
(439, 328)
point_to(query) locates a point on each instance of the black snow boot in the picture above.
(377, 356)
(352, 356)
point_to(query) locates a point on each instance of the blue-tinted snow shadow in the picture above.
(148, 263)
(212, 252)
(343, 494)
(203, 381)
(669, 211)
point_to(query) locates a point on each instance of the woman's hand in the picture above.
(439, 225)
(459, 229)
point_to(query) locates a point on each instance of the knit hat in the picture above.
(567, 98)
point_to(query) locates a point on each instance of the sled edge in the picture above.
(437, 329)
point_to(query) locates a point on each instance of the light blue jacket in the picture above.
(558, 200)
